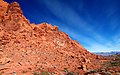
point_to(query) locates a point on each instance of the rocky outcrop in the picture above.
(27, 47)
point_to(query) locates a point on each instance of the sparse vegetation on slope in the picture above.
(111, 67)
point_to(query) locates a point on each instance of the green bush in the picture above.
(45, 73)
(36, 73)
(65, 70)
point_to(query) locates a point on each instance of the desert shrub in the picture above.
(70, 73)
(114, 63)
(76, 73)
(92, 71)
(45, 73)
(36, 73)
(65, 70)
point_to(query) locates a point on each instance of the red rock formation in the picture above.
(27, 47)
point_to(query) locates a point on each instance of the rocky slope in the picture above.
(25, 47)
(111, 67)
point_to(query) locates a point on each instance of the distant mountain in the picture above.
(107, 53)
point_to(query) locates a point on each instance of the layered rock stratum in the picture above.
(26, 47)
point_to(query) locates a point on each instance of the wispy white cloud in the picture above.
(84, 32)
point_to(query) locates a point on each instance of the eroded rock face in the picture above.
(25, 46)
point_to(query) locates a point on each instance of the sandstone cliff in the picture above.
(28, 47)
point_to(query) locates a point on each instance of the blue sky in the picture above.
(93, 23)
